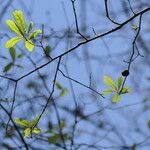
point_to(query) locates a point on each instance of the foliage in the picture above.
(19, 27)
(116, 88)
(29, 126)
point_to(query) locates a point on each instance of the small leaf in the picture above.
(107, 91)
(19, 66)
(19, 19)
(12, 52)
(13, 27)
(110, 82)
(63, 92)
(27, 132)
(148, 124)
(134, 147)
(29, 45)
(34, 34)
(8, 67)
(20, 55)
(62, 124)
(135, 27)
(116, 98)
(10, 43)
(34, 121)
(47, 50)
(22, 122)
(53, 139)
(125, 90)
(120, 81)
(36, 130)
(30, 26)
(58, 86)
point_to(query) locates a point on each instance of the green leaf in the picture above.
(29, 45)
(107, 91)
(148, 124)
(36, 130)
(134, 147)
(34, 34)
(63, 92)
(19, 19)
(120, 81)
(10, 43)
(62, 124)
(12, 52)
(110, 82)
(116, 98)
(20, 55)
(27, 132)
(13, 27)
(58, 86)
(22, 122)
(34, 121)
(8, 67)
(53, 139)
(30, 26)
(125, 90)
(19, 66)
(135, 27)
(47, 50)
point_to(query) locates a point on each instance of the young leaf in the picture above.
(116, 98)
(134, 147)
(34, 34)
(29, 45)
(63, 92)
(34, 121)
(20, 56)
(120, 80)
(36, 130)
(8, 67)
(135, 27)
(110, 82)
(107, 91)
(19, 19)
(125, 90)
(13, 27)
(12, 52)
(53, 139)
(148, 124)
(27, 132)
(62, 124)
(58, 86)
(10, 43)
(47, 50)
(22, 122)
(30, 26)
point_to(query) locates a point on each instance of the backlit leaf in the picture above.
(22, 122)
(120, 81)
(34, 34)
(19, 19)
(36, 130)
(10, 43)
(29, 45)
(13, 27)
(110, 82)
(27, 132)
(116, 98)
(107, 91)
(125, 90)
